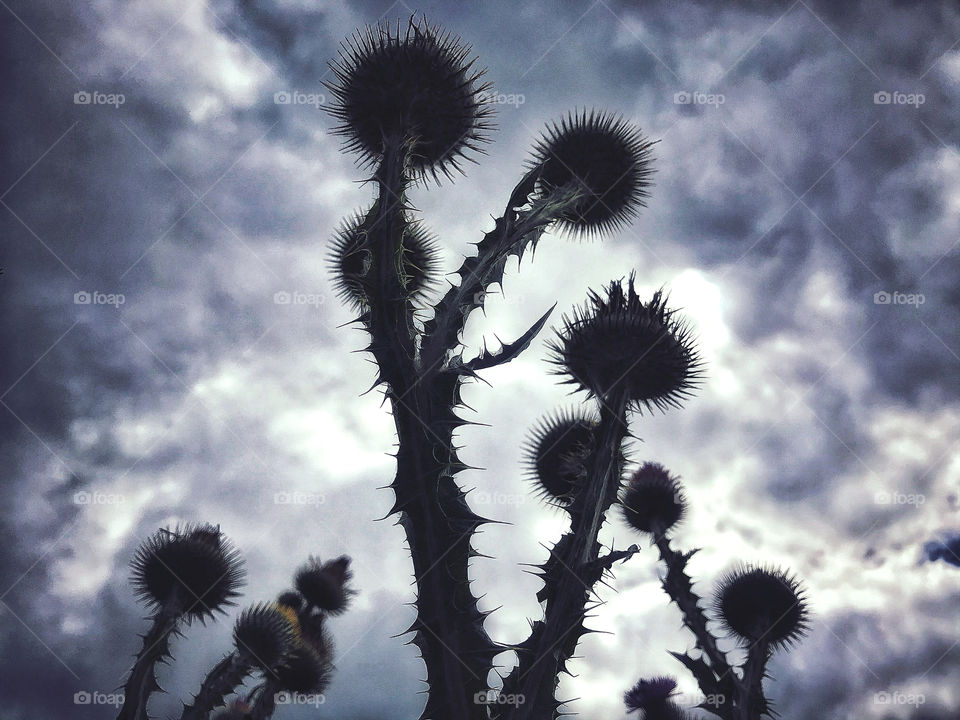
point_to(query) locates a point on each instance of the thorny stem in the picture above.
(143, 680)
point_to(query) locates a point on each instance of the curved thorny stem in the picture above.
(142, 681)
(569, 575)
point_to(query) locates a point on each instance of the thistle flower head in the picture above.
(557, 454)
(416, 86)
(304, 671)
(653, 501)
(757, 603)
(653, 699)
(618, 346)
(603, 156)
(264, 634)
(192, 571)
(324, 585)
(351, 260)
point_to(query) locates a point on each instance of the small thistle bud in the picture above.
(351, 257)
(324, 585)
(605, 157)
(304, 671)
(652, 698)
(264, 635)
(756, 603)
(557, 454)
(653, 501)
(417, 87)
(192, 571)
(618, 345)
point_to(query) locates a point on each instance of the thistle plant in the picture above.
(193, 573)
(411, 106)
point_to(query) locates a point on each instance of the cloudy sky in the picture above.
(155, 198)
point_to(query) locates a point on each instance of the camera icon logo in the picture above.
(881, 98)
(882, 298)
(82, 698)
(281, 297)
(82, 498)
(282, 698)
(81, 298)
(82, 98)
(281, 98)
(682, 98)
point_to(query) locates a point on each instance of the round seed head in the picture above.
(757, 603)
(265, 635)
(653, 500)
(324, 585)
(618, 345)
(557, 455)
(416, 86)
(351, 258)
(192, 571)
(603, 156)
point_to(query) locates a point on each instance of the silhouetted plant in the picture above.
(411, 106)
(193, 572)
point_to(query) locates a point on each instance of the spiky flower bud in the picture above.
(618, 345)
(192, 571)
(415, 86)
(758, 603)
(653, 699)
(653, 501)
(603, 156)
(304, 671)
(557, 454)
(324, 585)
(351, 257)
(264, 635)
